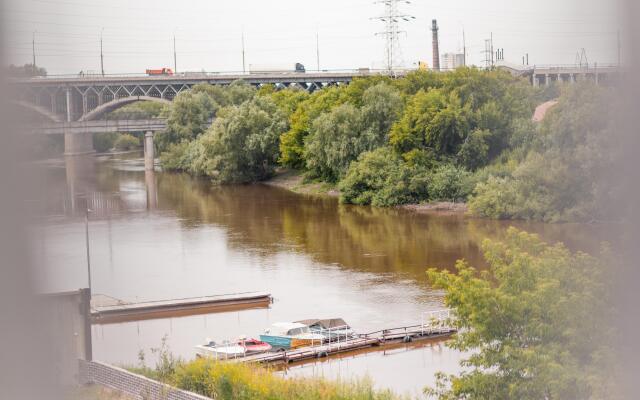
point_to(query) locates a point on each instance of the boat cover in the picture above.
(324, 323)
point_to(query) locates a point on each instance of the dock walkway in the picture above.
(374, 339)
(105, 311)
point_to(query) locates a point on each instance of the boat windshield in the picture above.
(298, 331)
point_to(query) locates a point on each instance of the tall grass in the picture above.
(236, 381)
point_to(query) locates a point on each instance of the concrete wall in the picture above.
(66, 318)
(130, 383)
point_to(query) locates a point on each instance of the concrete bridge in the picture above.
(86, 99)
(545, 75)
(78, 135)
(89, 98)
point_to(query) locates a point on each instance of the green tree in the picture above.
(242, 144)
(381, 106)
(138, 110)
(535, 324)
(410, 132)
(565, 166)
(127, 142)
(25, 71)
(474, 151)
(188, 118)
(382, 179)
(292, 141)
(334, 142)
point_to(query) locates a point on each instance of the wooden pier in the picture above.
(106, 310)
(378, 339)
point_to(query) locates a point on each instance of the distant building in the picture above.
(451, 61)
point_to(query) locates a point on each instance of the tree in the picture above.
(381, 106)
(474, 151)
(575, 147)
(25, 71)
(127, 142)
(535, 324)
(242, 144)
(188, 118)
(410, 132)
(292, 141)
(334, 142)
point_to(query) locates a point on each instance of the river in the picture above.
(156, 236)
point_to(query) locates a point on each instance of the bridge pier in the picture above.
(77, 144)
(149, 154)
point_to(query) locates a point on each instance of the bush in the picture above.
(450, 183)
(103, 142)
(380, 178)
(126, 142)
(176, 157)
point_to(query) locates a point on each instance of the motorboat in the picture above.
(222, 351)
(239, 348)
(332, 329)
(254, 346)
(290, 335)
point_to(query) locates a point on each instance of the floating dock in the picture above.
(379, 339)
(106, 310)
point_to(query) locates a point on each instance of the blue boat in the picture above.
(290, 335)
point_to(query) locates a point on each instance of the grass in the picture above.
(236, 381)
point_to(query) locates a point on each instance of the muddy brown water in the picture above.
(157, 236)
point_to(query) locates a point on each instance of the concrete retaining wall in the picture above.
(132, 384)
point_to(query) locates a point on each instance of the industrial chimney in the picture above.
(436, 47)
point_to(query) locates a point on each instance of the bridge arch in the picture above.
(103, 109)
(52, 117)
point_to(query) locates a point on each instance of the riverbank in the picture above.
(294, 181)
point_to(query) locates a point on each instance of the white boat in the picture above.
(223, 350)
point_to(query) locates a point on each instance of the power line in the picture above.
(392, 30)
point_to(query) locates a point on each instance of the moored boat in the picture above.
(332, 329)
(239, 348)
(290, 335)
(254, 346)
(223, 350)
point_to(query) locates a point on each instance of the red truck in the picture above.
(163, 71)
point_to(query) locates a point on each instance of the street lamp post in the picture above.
(86, 232)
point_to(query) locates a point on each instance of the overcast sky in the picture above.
(139, 34)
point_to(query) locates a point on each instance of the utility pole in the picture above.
(175, 57)
(101, 53)
(33, 48)
(464, 49)
(244, 69)
(318, 50)
(492, 53)
(619, 50)
(86, 232)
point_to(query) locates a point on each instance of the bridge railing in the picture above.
(196, 74)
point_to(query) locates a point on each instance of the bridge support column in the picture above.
(149, 155)
(77, 144)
